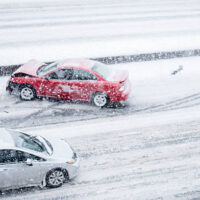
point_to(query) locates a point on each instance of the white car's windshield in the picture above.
(26, 141)
(102, 70)
(45, 69)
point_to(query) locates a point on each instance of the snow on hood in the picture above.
(61, 149)
(30, 67)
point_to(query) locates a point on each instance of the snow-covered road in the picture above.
(50, 30)
(147, 150)
(154, 88)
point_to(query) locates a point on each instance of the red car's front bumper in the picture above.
(123, 95)
(11, 86)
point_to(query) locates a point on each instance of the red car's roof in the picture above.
(32, 66)
(76, 63)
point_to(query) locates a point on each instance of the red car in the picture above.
(74, 79)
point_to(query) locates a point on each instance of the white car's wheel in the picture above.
(55, 178)
(100, 99)
(27, 92)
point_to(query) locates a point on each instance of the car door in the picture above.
(31, 172)
(6, 179)
(55, 85)
(15, 172)
(83, 84)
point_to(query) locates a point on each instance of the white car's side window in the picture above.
(8, 156)
(23, 156)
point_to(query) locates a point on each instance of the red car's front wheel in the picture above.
(100, 99)
(27, 92)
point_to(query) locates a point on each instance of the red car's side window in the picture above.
(62, 74)
(83, 75)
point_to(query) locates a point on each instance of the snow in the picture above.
(148, 150)
(154, 80)
(149, 154)
(51, 30)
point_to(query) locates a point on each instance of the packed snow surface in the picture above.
(147, 150)
(50, 30)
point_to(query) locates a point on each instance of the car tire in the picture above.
(27, 92)
(55, 178)
(100, 99)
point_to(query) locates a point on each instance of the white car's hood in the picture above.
(61, 149)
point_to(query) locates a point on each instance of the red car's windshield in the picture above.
(45, 69)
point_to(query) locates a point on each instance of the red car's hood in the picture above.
(120, 75)
(30, 67)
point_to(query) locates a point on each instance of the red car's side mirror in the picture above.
(46, 78)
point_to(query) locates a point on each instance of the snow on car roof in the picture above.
(76, 63)
(5, 139)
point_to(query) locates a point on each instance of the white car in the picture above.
(27, 160)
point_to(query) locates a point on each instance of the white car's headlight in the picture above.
(73, 160)
(70, 162)
(122, 88)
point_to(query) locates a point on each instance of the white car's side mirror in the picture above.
(29, 162)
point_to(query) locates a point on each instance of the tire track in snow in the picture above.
(188, 101)
(57, 113)
(17, 122)
(185, 102)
